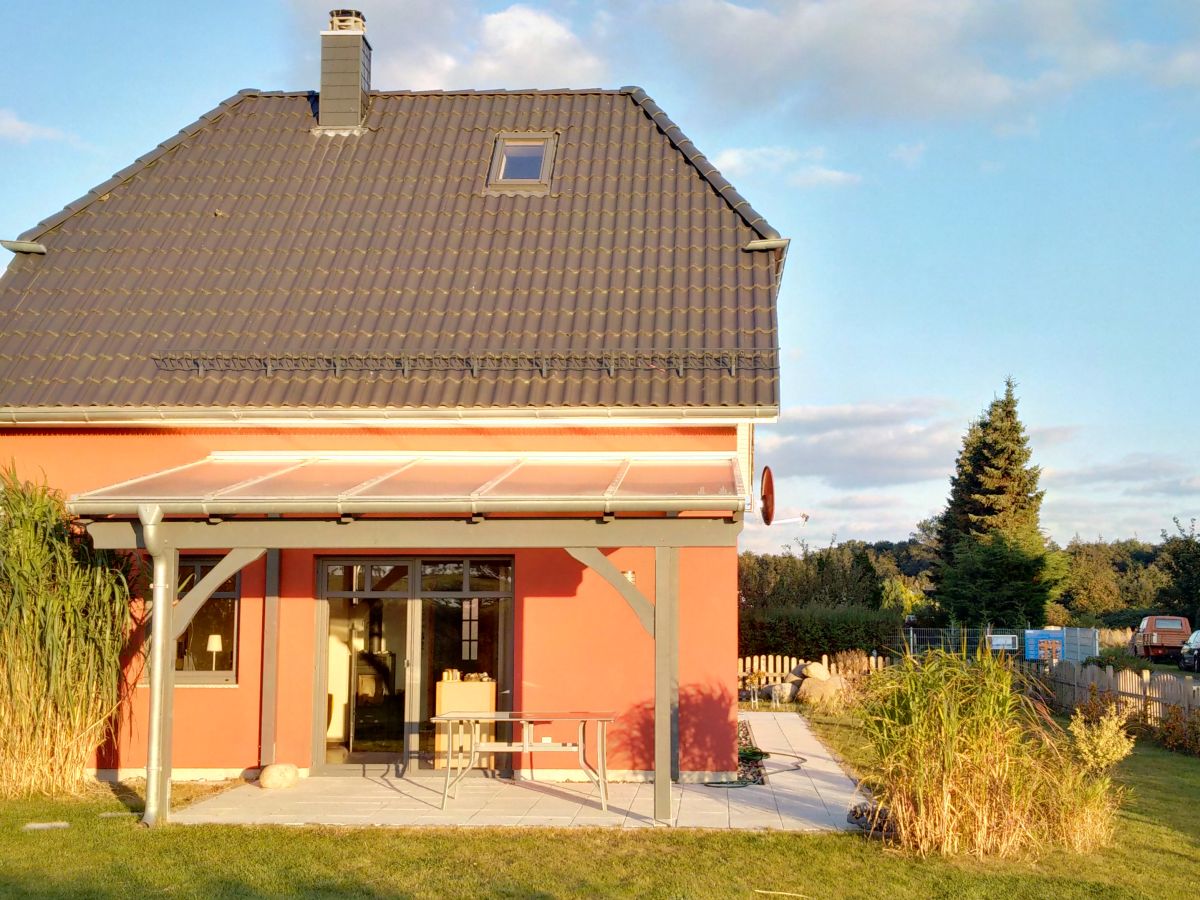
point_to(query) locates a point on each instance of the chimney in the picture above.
(345, 71)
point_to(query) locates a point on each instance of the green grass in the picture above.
(1157, 840)
(1157, 846)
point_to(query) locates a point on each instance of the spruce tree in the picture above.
(993, 566)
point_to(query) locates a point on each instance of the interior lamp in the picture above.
(214, 647)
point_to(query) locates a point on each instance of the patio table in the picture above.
(469, 724)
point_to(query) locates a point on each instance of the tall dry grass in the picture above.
(64, 618)
(968, 765)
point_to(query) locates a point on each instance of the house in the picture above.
(396, 385)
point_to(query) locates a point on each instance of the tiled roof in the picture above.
(252, 263)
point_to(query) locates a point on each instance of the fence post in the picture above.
(1145, 676)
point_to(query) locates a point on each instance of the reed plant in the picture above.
(64, 620)
(967, 764)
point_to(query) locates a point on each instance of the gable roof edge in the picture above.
(82, 203)
(707, 170)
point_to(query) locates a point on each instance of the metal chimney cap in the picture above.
(347, 20)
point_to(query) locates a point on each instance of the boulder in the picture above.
(779, 693)
(817, 671)
(277, 776)
(822, 693)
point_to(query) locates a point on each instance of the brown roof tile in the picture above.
(251, 262)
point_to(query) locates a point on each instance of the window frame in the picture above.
(541, 185)
(207, 677)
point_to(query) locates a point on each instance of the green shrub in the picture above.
(809, 631)
(967, 764)
(1180, 732)
(1119, 658)
(1103, 742)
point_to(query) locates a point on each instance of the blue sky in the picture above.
(974, 189)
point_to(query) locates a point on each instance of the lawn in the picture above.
(1156, 852)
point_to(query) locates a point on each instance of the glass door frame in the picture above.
(414, 662)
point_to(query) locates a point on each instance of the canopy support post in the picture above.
(666, 678)
(270, 662)
(165, 559)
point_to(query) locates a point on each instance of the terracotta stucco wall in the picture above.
(577, 644)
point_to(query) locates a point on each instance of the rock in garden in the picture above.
(818, 693)
(816, 671)
(780, 693)
(278, 775)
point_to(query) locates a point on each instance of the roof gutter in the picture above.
(174, 417)
(465, 506)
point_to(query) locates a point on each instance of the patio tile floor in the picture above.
(806, 790)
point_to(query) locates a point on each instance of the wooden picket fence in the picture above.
(1152, 694)
(777, 667)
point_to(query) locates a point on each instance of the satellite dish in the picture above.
(767, 497)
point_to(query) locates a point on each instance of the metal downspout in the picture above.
(158, 788)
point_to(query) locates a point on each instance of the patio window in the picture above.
(206, 653)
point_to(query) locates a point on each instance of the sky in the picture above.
(973, 189)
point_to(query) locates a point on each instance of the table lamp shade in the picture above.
(214, 643)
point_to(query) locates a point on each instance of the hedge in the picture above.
(809, 631)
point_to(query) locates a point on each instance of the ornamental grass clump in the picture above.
(968, 765)
(64, 619)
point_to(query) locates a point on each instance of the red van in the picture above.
(1160, 637)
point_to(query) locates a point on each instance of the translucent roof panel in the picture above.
(706, 478)
(538, 478)
(200, 480)
(439, 478)
(318, 478)
(341, 483)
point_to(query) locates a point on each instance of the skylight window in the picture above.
(522, 162)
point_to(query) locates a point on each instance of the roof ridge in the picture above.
(125, 174)
(700, 162)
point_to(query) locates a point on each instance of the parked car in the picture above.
(1160, 637)
(1189, 653)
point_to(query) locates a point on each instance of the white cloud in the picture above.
(429, 45)
(524, 47)
(802, 168)
(910, 155)
(822, 176)
(14, 128)
(912, 60)
(867, 445)
(735, 162)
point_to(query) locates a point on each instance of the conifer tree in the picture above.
(993, 565)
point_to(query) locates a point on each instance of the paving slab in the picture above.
(806, 790)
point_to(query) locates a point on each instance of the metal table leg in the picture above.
(449, 757)
(602, 761)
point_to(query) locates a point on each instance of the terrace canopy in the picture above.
(251, 504)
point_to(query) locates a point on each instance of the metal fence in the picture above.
(1075, 644)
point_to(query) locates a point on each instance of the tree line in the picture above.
(984, 560)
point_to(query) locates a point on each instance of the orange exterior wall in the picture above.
(577, 645)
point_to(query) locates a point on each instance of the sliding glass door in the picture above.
(408, 638)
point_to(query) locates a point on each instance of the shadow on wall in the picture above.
(707, 731)
(133, 668)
